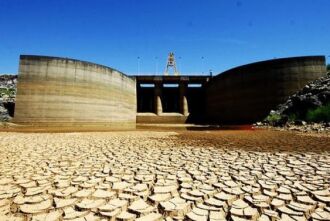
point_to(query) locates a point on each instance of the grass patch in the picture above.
(320, 114)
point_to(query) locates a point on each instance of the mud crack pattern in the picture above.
(159, 176)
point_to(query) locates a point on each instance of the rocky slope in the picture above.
(296, 110)
(7, 96)
(313, 95)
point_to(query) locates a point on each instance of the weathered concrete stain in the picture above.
(65, 92)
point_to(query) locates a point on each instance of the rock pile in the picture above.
(8, 81)
(7, 96)
(299, 126)
(313, 95)
(292, 113)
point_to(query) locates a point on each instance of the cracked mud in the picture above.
(148, 175)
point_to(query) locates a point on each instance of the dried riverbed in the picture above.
(149, 175)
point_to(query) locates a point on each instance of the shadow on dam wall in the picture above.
(246, 94)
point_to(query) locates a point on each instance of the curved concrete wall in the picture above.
(247, 93)
(61, 92)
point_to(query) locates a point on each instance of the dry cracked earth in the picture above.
(148, 175)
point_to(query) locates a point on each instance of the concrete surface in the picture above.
(247, 93)
(162, 100)
(61, 92)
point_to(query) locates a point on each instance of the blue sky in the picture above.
(116, 32)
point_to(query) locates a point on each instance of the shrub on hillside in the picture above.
(272, 118)
(276, 119)
(7, 91)
(320, 114)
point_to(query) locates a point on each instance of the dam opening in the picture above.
(170, 99)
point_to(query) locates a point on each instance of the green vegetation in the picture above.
(293, 117)
(272, 118)
(317, 115)
(7, 91)
(320, 114)
(328, 67)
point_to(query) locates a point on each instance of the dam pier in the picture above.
(169, 99)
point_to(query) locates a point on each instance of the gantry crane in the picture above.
(171, 63)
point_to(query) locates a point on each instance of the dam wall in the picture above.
(247, 93)
(62, 92)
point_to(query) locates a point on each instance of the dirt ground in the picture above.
(165, 175)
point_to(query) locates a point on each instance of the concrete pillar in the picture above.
(157, 98)
(138, 98)
(183, 98)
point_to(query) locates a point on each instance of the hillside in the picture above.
(307, 106)
(7, 96)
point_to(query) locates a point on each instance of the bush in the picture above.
(293, 117)
(272, 118)
(320, 114)
(7, 91)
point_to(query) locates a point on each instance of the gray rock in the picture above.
(312, 96)
(4, 115)
(8, 96)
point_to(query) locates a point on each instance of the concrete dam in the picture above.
(62, 92)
